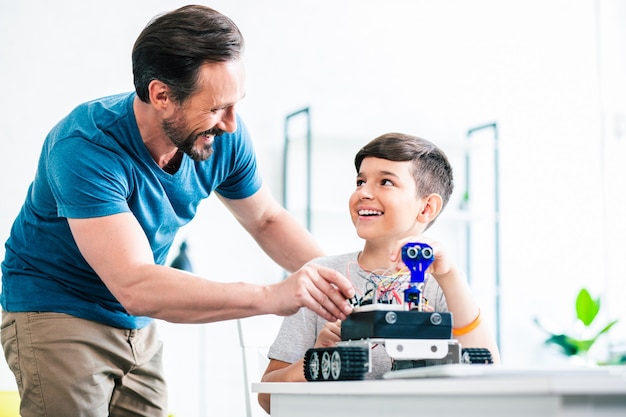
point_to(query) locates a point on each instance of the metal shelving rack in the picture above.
(496, 214)
(288, 141)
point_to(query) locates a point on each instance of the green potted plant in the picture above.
(587, 309)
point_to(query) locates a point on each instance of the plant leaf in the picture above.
(606, 329)
(538, 323)
(586, 307)
(569, 345)
(566, 343)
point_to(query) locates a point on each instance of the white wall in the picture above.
(549, 72)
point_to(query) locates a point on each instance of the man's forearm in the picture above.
(287, 242)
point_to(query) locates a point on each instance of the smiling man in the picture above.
(84, 275)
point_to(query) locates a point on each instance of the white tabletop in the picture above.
(609, 380)
(522, 392)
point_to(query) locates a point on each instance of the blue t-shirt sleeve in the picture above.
(86, 179)
(244, 178)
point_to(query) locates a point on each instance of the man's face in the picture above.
(199, 146)
(209, 112)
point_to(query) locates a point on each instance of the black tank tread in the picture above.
(312, 371)
(476, 355)
(354, 363)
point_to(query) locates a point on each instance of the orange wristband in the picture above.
(465, 330)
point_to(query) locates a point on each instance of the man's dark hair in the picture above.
(174, 45)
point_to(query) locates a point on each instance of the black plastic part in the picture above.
(341, 363)
(397, 325)
(476, 355)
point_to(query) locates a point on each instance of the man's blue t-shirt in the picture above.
(94, 163)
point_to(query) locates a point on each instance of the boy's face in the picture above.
(384, 206)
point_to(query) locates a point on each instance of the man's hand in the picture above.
(322, 290)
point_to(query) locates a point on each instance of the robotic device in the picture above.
(411, 337)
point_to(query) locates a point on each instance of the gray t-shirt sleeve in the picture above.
(298, 332)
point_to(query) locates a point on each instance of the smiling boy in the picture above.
(403, 183)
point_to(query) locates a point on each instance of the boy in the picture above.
(403, 183)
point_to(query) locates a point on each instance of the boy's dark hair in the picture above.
(174, 45)
(431, 169)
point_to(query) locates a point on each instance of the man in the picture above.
(84, 272)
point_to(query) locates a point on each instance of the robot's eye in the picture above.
(413, 252)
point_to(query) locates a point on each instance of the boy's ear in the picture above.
(431, 209)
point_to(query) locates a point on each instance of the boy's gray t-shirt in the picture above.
(298, 332)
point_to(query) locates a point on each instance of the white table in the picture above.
(523, 394)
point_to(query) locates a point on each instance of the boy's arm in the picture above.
(279, 371)
(466, 312)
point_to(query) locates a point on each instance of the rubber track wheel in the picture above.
(477, 355)
(353, 363)
(313, 371)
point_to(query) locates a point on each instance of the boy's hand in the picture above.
(440, 266)
(330, 335)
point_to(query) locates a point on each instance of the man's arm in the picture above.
(278, 233)
(117, 249)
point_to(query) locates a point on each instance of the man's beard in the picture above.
(174, 128)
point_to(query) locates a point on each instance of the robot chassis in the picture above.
(411, 337)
